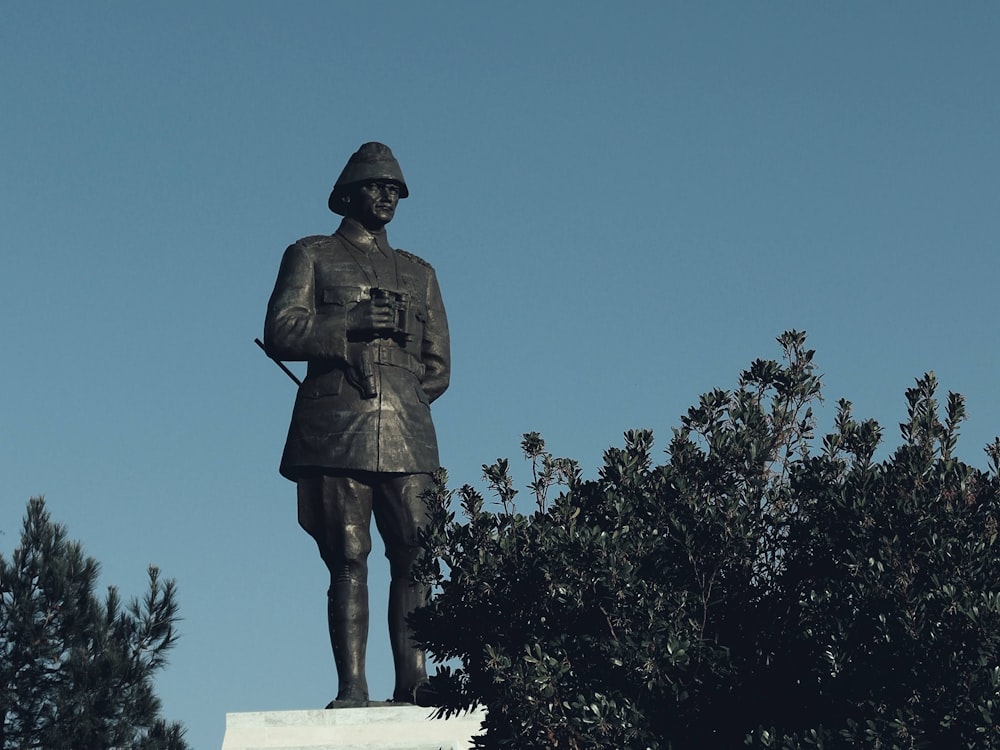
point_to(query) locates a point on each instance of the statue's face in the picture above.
(374, 203)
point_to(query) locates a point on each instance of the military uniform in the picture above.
(334, 425)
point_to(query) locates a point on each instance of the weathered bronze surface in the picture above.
(369, 320)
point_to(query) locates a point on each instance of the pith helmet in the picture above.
(373, 161)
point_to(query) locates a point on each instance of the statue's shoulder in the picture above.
(314, 240)
(309, 247)
(415, 258)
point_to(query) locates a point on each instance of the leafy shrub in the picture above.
(754, 589)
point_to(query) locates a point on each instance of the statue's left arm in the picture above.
(436, 346)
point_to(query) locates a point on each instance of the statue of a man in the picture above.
(369, 320)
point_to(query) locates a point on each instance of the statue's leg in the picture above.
(341, 507)
(399, 514)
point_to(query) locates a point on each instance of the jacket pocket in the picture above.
(326, 382)
(422, 397)
(341, 295)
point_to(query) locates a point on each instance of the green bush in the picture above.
(755, 589)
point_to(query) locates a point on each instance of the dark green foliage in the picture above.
(890, 594)
(744, 592)
(76, 672)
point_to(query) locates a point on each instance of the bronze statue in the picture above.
(369, 320)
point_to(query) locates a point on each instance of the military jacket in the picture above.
(338, 422)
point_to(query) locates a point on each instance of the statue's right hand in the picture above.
(371, 315)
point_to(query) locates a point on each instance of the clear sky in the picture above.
(625, 203)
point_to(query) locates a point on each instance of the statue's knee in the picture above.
(401, 560)
(347, 548)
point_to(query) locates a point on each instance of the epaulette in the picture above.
(313, 239)
(414, 258)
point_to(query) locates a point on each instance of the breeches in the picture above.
(336, 510)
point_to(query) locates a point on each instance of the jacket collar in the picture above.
(361, 238)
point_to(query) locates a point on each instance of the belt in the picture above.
(388, 354)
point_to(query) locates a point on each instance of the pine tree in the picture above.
(75, 671)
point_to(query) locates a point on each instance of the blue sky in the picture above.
(625, 205)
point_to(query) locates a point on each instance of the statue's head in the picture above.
(372, 163)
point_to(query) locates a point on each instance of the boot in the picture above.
(347, 614)
(409, 661)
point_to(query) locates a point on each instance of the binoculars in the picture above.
(403, 324)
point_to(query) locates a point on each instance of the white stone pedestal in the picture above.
(374, 728)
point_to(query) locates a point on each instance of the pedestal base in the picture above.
(374, 728)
